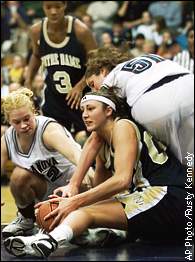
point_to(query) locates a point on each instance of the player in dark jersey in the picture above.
(139, 185)
(60, 45)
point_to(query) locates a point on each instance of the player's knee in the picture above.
(20, 178)
(82, 215)
(88, 214)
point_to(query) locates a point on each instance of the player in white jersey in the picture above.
(160, 94)
(139, 185)
(44, 153)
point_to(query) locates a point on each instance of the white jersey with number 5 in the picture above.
(167, 111)
(137, 75)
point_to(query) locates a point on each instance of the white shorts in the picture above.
(168, 113)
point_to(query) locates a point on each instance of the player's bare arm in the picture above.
(101, 173)
(84, 172)
(85, 37)
(35, 60)
(88, 155)
(54, 137)
(125, 147)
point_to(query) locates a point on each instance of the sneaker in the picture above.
(21, 226)
(39, 245)
(100, 237)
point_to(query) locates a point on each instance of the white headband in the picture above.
(99, 98)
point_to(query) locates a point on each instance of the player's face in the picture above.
(54, 10)
(23, 120)
(95, 81)
(93, 114)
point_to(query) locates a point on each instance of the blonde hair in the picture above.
(17, 99)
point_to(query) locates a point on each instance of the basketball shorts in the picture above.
(155, 213)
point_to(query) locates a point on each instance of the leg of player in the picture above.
(25, 188)
(42, 245)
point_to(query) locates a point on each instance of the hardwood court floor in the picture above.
(8, 211)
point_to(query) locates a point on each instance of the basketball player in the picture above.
(60, 44)
(44, 153)
(160, 94)
(149, 193)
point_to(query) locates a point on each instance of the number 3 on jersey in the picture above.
(62, 82)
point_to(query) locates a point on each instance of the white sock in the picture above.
(62, 232)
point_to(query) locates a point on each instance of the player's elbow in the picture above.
(124, 181)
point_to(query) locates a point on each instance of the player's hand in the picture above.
(66, 206)
(66, 191)
(74, 97)
(36, 206)
(57, 199)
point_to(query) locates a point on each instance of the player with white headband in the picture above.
(100, 99)
(164, 108)
(138, 185)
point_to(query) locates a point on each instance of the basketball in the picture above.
(42, 211)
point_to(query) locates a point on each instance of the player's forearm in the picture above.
(82, 84)
(105, 190)
(86, 160)
(88, 155)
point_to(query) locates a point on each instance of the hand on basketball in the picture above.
(57, 199)
(66, 206)
(36, 206)
(74, 97)
(66, 191)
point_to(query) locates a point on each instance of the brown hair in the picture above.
(105, 57)
(122, 108)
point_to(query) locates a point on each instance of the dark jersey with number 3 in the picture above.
(64, 66)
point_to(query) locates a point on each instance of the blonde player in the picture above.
(44, 153)
(144, 177)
